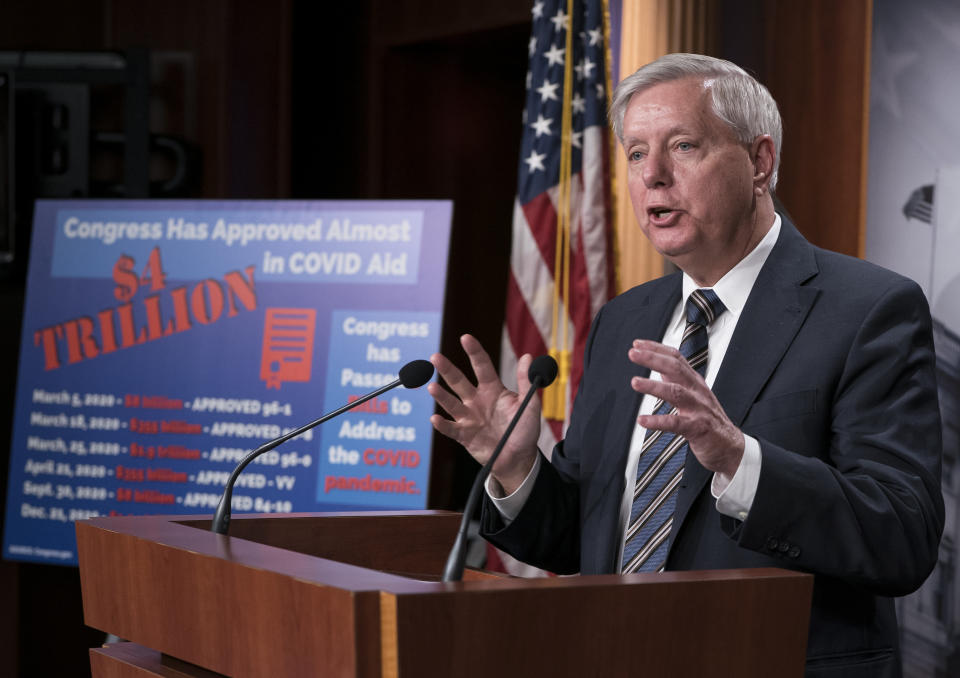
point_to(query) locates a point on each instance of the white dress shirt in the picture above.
(734, 495)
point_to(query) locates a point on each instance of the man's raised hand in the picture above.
(480, 413)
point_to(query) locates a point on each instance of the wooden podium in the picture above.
(357, 595)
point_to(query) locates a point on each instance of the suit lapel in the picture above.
(647, 319)
(775, 310)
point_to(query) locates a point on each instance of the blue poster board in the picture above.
(163, 340)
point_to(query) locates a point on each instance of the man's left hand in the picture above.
(713, 438)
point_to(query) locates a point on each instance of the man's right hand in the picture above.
(480, 414)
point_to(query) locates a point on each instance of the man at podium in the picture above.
(771, 404)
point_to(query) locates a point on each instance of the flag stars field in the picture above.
(535, 161)
(548, 91)
(559, 21)
(554, 55)
(542, 125)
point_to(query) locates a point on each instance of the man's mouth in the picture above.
(661, 216)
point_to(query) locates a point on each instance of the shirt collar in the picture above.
(734, 287)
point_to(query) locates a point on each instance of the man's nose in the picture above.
(657, 170)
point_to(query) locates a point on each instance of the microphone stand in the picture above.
(221, 519)
(453, 570)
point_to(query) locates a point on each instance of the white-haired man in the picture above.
(773, 404)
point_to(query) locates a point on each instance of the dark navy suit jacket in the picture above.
(831, 368)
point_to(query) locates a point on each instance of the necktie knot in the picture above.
(703, 307)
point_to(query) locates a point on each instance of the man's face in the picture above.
(690, 179)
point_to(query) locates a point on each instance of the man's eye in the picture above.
(636, 155)
(685, 146)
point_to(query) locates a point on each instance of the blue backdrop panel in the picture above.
(163, 340)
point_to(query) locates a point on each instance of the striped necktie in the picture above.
(661, 457)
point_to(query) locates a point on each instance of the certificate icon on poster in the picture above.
(287, 345)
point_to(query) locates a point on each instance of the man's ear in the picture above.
(764, 155)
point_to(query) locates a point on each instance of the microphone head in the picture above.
(543, 370)
(416, 373)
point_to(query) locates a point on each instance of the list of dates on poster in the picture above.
(88, 451)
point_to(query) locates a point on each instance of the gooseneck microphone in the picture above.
(542, 372)
(414, 374)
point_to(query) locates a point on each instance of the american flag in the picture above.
(555, 289)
